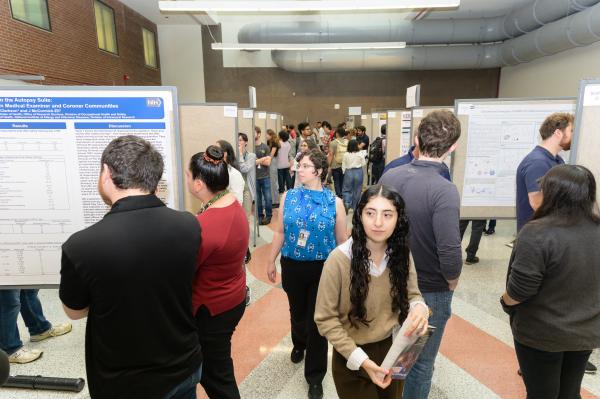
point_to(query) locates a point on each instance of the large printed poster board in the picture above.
(586, 139)
(51, 141)
(496, 135)
(398, 134)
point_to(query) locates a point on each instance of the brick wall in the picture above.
(69, 54)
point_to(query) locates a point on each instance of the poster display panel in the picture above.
(51, 142)
(496, 135)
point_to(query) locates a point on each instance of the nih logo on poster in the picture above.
(153, 102)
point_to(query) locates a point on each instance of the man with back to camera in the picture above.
(131, 274)
(477, 226)
(556, 132)
(378, 164)
(337, 149)
(433, 209)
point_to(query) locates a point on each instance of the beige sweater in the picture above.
(333, 305)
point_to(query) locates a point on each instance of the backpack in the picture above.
(342, 148)
(376, 151)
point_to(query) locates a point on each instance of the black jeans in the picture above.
(377, 171)
(300, 281)
(551, 375)
(338, 181)
(215, 334)
(477, 227)
(284, 179)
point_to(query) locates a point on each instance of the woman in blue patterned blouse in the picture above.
(313, 224)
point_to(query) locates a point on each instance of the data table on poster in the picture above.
(51, 143)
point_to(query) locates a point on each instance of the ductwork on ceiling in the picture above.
(564, 24)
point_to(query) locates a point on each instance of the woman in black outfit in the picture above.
(553, 285)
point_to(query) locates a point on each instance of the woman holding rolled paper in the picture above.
(367, 290)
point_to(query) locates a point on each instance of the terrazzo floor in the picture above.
(476, 359)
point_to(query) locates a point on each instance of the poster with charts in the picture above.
(500, 133)
(51, 142)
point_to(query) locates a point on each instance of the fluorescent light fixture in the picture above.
(22, 77)
(307, 46)
(300, 6)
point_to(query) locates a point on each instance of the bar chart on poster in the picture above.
(51, 142)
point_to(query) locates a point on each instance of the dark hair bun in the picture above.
(215, 153)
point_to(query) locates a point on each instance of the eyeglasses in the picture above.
(305, 166)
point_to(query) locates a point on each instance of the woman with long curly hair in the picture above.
(367, 290)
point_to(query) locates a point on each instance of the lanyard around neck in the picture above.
(213, 200)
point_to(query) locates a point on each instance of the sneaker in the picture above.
(471, 260)
(297, 355)
(489, 232)
(315, 391)
(590, 368)
(265, 221)
(23, 356)
(248, 257)
(54, 331)
(247, 295)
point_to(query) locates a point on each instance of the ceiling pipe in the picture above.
(432, 31)
(578, 29)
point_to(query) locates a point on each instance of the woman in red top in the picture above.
(219, 289)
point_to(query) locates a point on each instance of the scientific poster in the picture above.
(51, 142)
(500, 135)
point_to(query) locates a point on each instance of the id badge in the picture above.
(303, 238)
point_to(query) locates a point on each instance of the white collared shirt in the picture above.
(358, 356)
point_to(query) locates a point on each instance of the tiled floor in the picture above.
(476, 359)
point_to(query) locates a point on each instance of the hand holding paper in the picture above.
(405, 350)
(379, 376)
(417, 321)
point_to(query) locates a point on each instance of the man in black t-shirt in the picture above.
(362, 138)
(131, 275)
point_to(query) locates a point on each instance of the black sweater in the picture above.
(433, 210)
(555, 272)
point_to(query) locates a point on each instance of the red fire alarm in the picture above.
(125, 79)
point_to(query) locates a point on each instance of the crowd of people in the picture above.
(164, 291)
(271, 168)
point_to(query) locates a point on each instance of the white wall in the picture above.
(181, 62)
(554, 76)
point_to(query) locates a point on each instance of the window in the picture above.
(149, 48)
(105, 27)
(33, 12)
